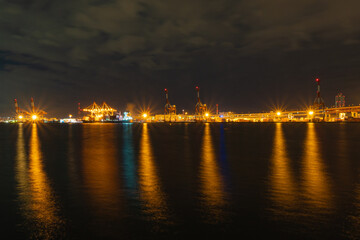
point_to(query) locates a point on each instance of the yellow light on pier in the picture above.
(311, 113)
(34, 117)
(145, 115)
(206, 114)
(278, 113)
(20, 117)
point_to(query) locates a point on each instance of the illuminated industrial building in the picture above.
(339, 100)
(99, 113)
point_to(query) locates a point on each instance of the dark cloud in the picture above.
(242, 53)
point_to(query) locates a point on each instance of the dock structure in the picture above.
(200, 109)
(35, 114)
(317, 112)
(169, 110)
(98, 113)
(350, 113)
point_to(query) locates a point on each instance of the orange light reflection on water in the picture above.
(21, 165)
(36, 196)
(150, 188)
(315, 181)
(283, 189)
(212, 183)
(100, 169)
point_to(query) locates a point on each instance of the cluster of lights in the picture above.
(33, 117)
(99, 111)
(310, 113)
(127, 116)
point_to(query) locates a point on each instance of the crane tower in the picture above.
(319, 102)
(34, 114)
(200, 109)
(169, 109)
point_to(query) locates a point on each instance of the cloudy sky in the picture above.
(246, 55)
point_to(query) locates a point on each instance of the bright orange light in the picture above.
(278, 113)
(70, 116)
(311, 113)
(206, 114)
(144, 115)
(20, 117)
(34, 117)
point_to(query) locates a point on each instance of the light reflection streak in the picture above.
(283, 190)
(40, 207)
(212, 184)
(21, 165)
(316, 185)
(150, 188)
(100, 169)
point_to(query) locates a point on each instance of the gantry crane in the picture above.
(98, 113)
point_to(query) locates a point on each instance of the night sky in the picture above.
(244, 55)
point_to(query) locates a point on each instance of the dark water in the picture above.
(151, 181)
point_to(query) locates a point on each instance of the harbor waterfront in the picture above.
(175, 181)
(179, 120)
(340, 114)
(316, 112)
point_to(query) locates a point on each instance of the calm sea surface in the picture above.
(176, 181)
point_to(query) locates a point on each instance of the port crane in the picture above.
(169, 110)
(34, 114)
(98, 112)
(200, 108)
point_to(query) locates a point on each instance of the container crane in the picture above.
(169, 109)
(200, 109)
